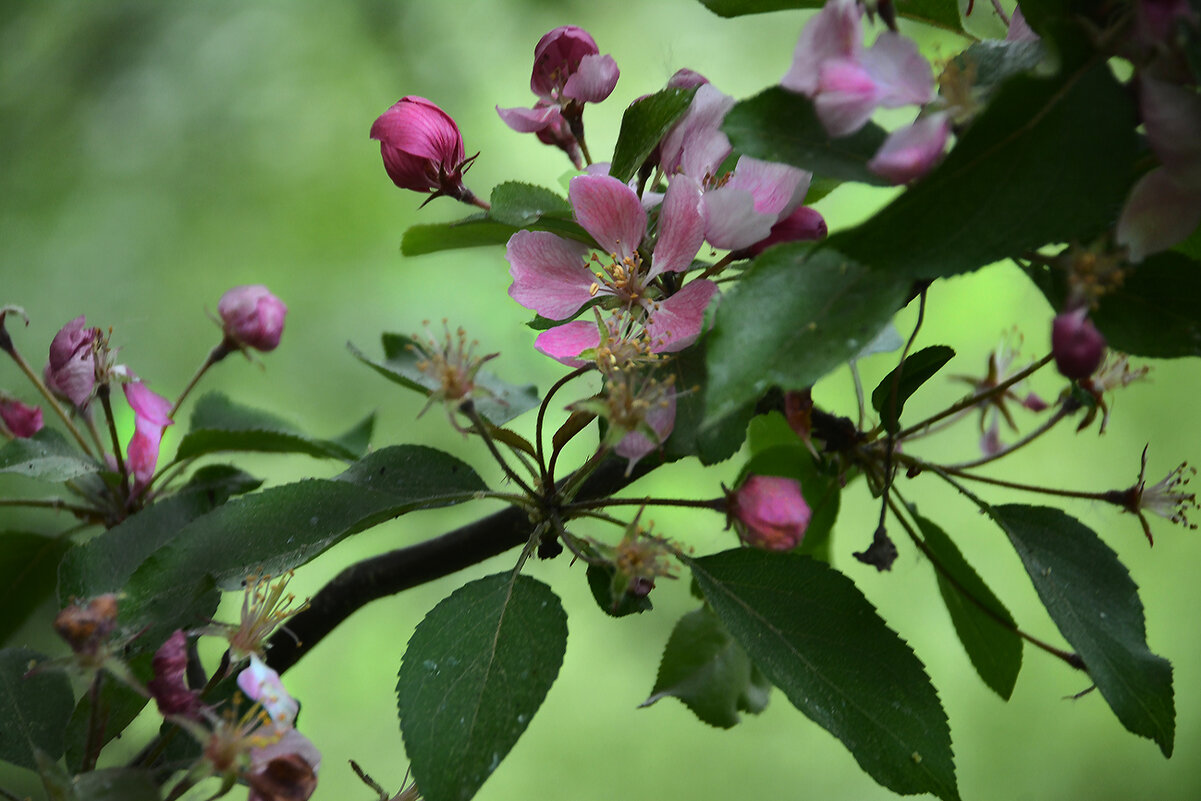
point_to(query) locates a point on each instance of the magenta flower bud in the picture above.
(568, 64)
(252, 317)
(1076, 344)
(71, 371)
(422, 148)
(168, 687)
(22, 420)
(151, 415)
(770, 512)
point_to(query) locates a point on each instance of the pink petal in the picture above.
(1158, 214)
(262, 684)
(833, 33)
(777, 188)
(661, 419)
(731, 222)
(529, 120)
(610, 211)
(676, 322)
(549, 273)
(566, 342)
(681, 227)
(1172, 115)
(594, 80)
(804, 224)
(146, 404)
(902, 75)
(698, 134)
(908, 153)
(847, 95)
(419, 127)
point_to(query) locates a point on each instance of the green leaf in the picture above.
(993, 61)
(689, 437)
(119, 705)
(793, 317)
(47, 455)
(988, 634)
(905, 378)
(779, 125)
(34, 709)
(283, 527)
(519, 204)
(498, 401)
(220, 424)
(644, 123)
(709, 671)
(814, 635)
(28, 568)
(1154, 313)
(475, 672)
(116, 784)
(941, 13)
(1092, 599)
(1000, 190)
(477, 231)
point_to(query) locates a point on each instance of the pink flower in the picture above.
(252, 317)
(168, 687)
(846, 82)
(423, 149)
(743, 207)
(1076, 344)
(71, 371)
(770, 512)
(150, 418)
(262, 684)
(908, 153)
(21, 419)
(568, 72)
(803, 225)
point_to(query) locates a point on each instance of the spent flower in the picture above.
(1167, 498)
(168, 687)
(266, 604)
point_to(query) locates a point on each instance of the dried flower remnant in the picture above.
(996, 406)
(265, 606)
(450, 367)
(87, 628)
(1115, 373)
(170, 691)
(1167, 498)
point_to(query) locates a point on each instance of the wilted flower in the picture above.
(423, 149)
(71, 371)
(151, 415)
(20, 419)
(87, 628)
(1114, 373)
(1166, 498)
(1076, 344)
(450, 367)
(168, 687)
(770, 512)
(265, 605)
(252, 317)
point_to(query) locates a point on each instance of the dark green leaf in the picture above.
(941, 13)
(779, 125)
(889, 396)
(34, 709)
(1155, 312)
(611, 601)
(992, 61)
(1001, 189)
(793, 317)
(220, 424)
(643, 125)
(710, 444)
(475, 672)
(707, 669)
(476, 231)
(814, 635)
(28, 568)
(119, 706)
(984, 625)
(47, 455)
(520, 204)
(116, 784)
(283, 527)
(1092, 599)
(497, 401)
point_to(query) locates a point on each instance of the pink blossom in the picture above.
(278, 753)
(150, 418)
(908, 153)
(803, 225)
(422, 148)
(770, 512)
(252, 317)
(696, 145)
(848, 83)
(22, 420)
(744, 206)
(71, 371)
(1076, 344)
(168, 687)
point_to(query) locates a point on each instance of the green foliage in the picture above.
(34, 708)
(889, 396)
(476, 670)
(985, 627)
(815, 636)
(480, 230)
(644, 123)
(28, 566)
(795, 315)
(119, 705)
(520, 204)
(498, 401)
(940, 13)
(1092, 599)
(116, 784)
(47, 456)
(709, 672)
(779, 125)
(219, 424)
(691, 436)
(613, 600)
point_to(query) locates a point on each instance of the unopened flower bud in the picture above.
(770, 512)
(422, 148)
(1076, 344)
(20, 419)
(71, 371)
(168, 687)
(252, 317)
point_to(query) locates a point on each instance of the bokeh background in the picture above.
(152, 155)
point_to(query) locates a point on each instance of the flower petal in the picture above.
(675, 323)
(662, 419)
(731, 222)
(847, 95)
(681, 227)
(1158, 214)
(594, 80)
(777, 188)
(610, 211)
(566, 342)
(549, 273)
(529, 120)
(908, 153)
(833, 33)
(696, 144)
(902, 75)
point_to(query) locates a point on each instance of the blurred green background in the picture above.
(153, 155)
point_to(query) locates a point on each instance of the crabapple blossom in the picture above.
(423, 149)
(151, 415)
(770, 512)
(71, 370)
(21, 420)
(252, 317)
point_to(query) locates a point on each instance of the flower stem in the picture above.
(716, 504)
(716, 268)
(103, 392)
(1060, 413)
(50, 399)
(547, 476)
(215, 355)
(467, 407)
(50, 503)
